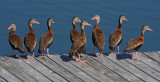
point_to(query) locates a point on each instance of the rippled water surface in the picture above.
(138, 13)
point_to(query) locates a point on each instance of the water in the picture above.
(138, 13)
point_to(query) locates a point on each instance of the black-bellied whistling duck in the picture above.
(74, 34)
(30, 39)
(136, 43)
(81, 40)
(14, 40)
(47, 39)
(116, 36)
(98, 37)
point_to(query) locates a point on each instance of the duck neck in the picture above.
(30, 27)
(96, 25)
(74, 26)
(13, 30)
(82, 30)
(49, 26)
(142, 33)
(120, 24)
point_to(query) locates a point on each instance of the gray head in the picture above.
(75, 19)
(50, 20)
(33, 21)
(145, 27)
(12, 26)
(96, 17)
(84, 23)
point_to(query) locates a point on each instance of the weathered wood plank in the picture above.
(149, 61)
(91, 71)
(12, 69)
(137, 68)
(118, 69)
(73, 69)
(49, 74)
(2, 79)
(16, 62)
(59, 70)
(154, 55)
(7, 75)
(29, 70)
(103, 69)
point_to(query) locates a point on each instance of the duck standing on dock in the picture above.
(98, 36)
(74, 34)
(136, 43)
(47, 39)
(14, 40)
(30, 39)
(116, 36)
(81, 40)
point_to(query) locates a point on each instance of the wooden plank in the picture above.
(154, 55)
(91, 71)
(7, 76)
(137, 68)
(118, 69)
(29, 70)
(104, 70)
(59, 70)
(149, 61)
(16, 62)
(49, 74)
(12, 69)
(2, 79)
(72, 69)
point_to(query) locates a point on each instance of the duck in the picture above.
(136, 43)
(14, 40)
(30, 39)
(98, 37)
(74, 34)
(81, 40)
(46, 39)
(116, 36)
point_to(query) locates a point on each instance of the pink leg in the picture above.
(94, 51)
(27, 54)
(136, 57)
(79, 60)
(118, 50)
(100, 54)
(112, 52)
(18, 54)
(48, 53)
(12, 54)
(42, 54)
(33, 55)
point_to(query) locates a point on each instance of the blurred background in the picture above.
(138, 13)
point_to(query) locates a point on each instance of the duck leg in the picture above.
(12, 54)
(118, 50)
(94, 51)
(33, 55)
(79, 60)
(136, 57)
(48, 53)
(18, 54)
(27, 54)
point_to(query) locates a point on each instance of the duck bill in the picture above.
(9, 27)
(125, 19)
(150, 29)
(89, 24)
(79, 20)
(53, 22)
(37, 22)
(93, 18)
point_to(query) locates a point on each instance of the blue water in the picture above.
(138, 13)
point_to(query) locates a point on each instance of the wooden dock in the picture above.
(108, 68)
